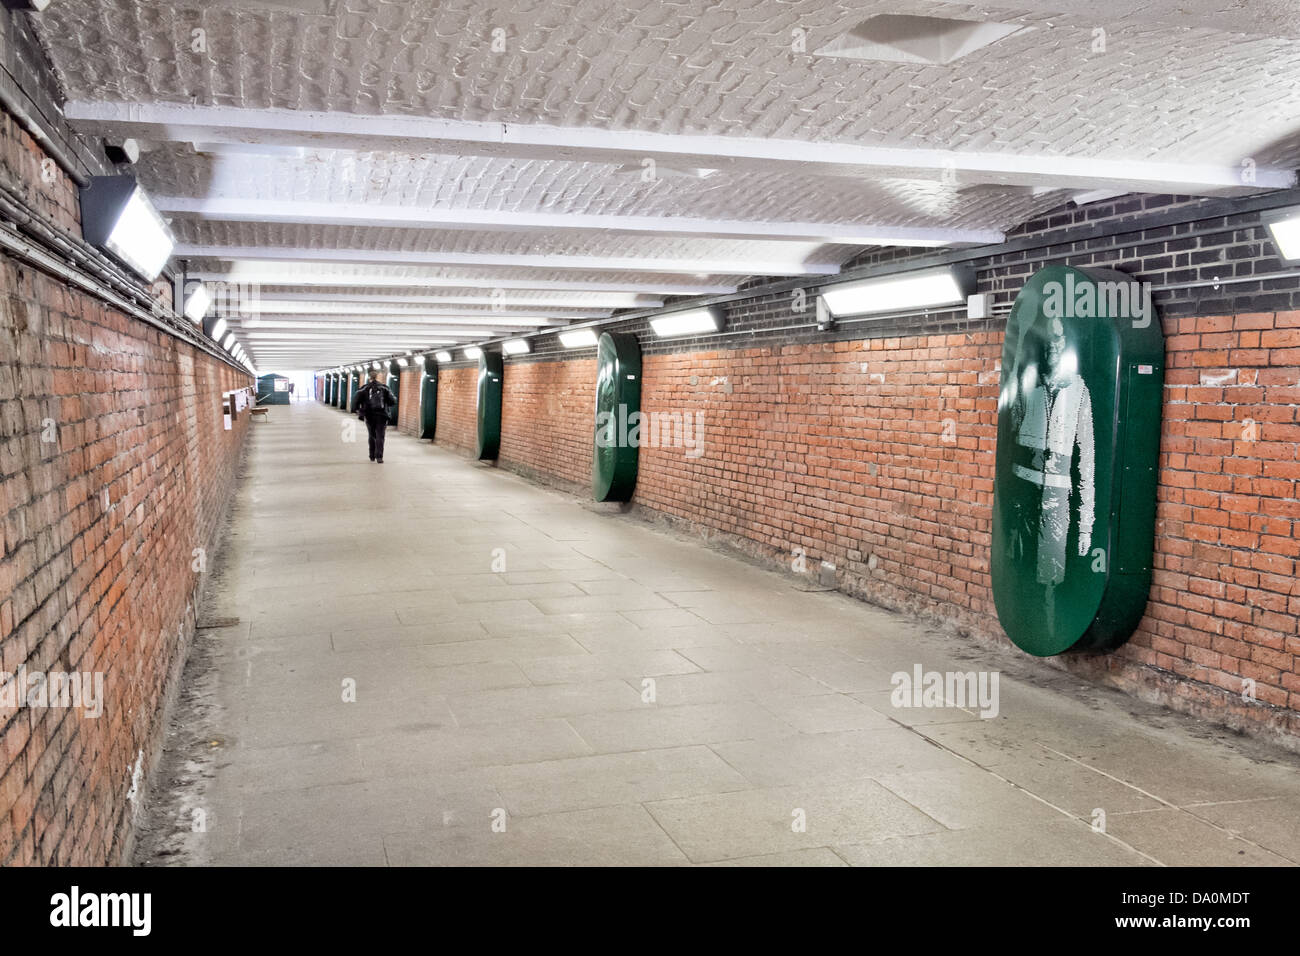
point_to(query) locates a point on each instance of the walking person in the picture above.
(374, 399)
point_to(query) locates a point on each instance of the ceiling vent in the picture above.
(900, 38)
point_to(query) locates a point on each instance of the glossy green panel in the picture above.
(353, 386)
(394, 386)
(618, 412)
(490, 373)
(1078, 439)
(429, 398)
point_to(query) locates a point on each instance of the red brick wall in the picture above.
(408, 405)
(842, 450)
(114, 467)
(457, 397)
(547, 417)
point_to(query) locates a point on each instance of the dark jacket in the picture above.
(376, 393)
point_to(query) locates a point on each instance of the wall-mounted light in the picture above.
(376, 366)
(472, 352)
(691, 322)
(579, 339)
(402, 361)
(197, 302)
(117, 216)
(1284, 229)
(228, 341)
(515, 347)
(923, 289)
(219, 329)
(442, 356)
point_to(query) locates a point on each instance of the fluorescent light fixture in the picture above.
(473, 352)
(691, 322)
(196, 306)
(443, 356)
(579, 339)
(923, 289)
(419, 360)
(228, 342)
(515, 347)
(401, 360)
(219, 329)
(376, 366)
(117, 216)
(1284, 229)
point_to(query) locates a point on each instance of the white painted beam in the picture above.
(422, 134)
(310, 274)
(250, 209)
(663, 266)
(513, 302)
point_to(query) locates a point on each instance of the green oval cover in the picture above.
(618, 413)
(490, 372)
(429, 398)
(1077, 446)
(394, 386)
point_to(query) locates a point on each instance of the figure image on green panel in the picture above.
(429, 398)
(618, 411)
(394, 386)
(491, 370)
(1077, 447)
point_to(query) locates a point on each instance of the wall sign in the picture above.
(1078, 443)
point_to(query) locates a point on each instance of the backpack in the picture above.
(373, 399)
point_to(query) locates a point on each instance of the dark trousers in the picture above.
(376, 423)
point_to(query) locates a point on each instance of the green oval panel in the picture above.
(618, 412)
(490, 371)
(394, 386)
(1077, 449)
(429, 398)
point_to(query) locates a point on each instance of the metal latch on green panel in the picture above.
(1077, 450)
(618, 409)
(490, 370)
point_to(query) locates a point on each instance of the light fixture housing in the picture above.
(1283, 227)
(690, 322)
(443, 356)
(197, 303)
(515, 347)
(908, 291)
(472, 352)
(579, 339)
(228, 341)
(117, 216)
(402, 361)
(219, 329)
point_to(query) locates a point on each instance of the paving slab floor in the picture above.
(436, 662)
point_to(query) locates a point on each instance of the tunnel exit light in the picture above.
(692, 322)
(925, 289)
(117, 216)
(1284, 229)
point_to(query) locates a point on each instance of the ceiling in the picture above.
(393, 175)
